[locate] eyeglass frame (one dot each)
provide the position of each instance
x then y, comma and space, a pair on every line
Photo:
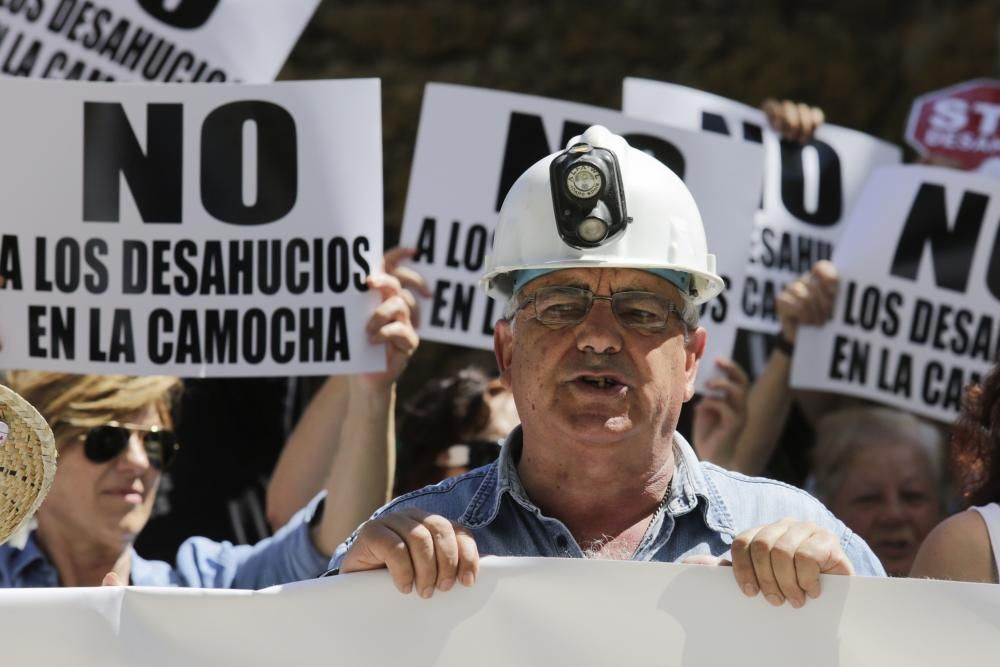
686, 314
166, 453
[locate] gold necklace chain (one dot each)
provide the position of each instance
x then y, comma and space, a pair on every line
656, 515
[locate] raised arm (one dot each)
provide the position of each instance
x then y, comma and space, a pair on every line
308, 456
305, 461
360, 477
807, 300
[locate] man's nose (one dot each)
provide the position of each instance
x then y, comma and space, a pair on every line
600, 331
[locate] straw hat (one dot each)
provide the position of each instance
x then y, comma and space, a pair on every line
27, 461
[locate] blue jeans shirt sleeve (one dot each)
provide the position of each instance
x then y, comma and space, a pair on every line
288, 555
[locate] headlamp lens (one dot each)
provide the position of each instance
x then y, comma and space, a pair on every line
592, 230
584, 181
588, 197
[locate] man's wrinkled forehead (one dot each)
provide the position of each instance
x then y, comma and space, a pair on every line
680, 280
601, 278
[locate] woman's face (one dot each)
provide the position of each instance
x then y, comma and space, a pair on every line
103, 504
459, 458
890, 498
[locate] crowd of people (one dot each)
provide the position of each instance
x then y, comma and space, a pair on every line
570, 449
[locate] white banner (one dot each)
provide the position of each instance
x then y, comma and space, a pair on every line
150, 40
917, 316
522, 611
191, 230
808, 188
473, 143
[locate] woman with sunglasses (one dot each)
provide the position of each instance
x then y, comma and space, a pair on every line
114, 437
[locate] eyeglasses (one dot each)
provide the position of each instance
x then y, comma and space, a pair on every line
559, 306
105, 442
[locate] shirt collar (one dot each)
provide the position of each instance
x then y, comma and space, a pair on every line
31, 558
31, 564
688, 486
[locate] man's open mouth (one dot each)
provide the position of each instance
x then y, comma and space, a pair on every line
599, 381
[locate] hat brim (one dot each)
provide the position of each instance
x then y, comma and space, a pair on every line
27, 461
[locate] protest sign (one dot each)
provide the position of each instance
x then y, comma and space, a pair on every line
150, 40
471, 146
521, 611
959, 125
808, 188
917, 315
189, 230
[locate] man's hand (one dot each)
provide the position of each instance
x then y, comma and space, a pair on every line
794, 121
721, 413
783, 560
423, 550
411, 281
391, 325
809, 299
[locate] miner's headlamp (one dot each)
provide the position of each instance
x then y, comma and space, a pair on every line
588, 196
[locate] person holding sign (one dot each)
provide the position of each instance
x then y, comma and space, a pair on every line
114, 437
966, 546
601, 259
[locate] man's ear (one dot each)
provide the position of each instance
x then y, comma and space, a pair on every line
503, 348
693, 352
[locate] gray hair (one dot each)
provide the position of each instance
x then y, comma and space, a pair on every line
843, 432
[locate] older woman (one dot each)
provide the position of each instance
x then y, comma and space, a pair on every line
114, 437
966, 547
881, 471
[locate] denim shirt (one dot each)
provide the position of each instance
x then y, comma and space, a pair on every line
288, 555
707, 508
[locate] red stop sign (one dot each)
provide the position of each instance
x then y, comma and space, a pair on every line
959, 125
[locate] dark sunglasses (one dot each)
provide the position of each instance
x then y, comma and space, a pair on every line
105, 442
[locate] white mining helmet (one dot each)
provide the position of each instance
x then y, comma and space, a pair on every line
600, 203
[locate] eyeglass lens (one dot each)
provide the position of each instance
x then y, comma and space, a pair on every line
107, 441
562, 306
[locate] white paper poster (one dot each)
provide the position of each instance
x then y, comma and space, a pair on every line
808, 188
917, 316
150, 40
473, 143
522, 611
189, 230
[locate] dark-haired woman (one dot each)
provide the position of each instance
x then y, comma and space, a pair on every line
966, 547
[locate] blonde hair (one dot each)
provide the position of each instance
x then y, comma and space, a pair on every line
90, 400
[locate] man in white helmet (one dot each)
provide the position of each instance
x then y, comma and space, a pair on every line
600, 256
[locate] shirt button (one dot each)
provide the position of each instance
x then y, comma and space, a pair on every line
561, 541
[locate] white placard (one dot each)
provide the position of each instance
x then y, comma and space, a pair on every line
522, 611
808, 189
473, 143
917, 316
192, 230
183, 41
